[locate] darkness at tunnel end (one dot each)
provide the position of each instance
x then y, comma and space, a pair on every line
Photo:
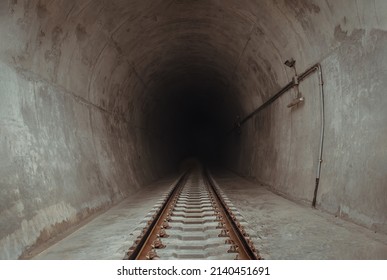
191, 120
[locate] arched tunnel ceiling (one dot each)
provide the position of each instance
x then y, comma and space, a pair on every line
117, 56
125, 57
238, 42
151, 40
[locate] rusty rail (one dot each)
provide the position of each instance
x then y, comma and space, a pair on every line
238, 241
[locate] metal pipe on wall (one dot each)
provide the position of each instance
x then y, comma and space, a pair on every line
322, 111
290, 85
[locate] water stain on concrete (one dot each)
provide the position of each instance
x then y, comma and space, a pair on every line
343, 35
41, 10
81, 33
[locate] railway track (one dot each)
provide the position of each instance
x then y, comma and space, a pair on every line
194, 220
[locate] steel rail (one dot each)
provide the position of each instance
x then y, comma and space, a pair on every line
137, 252
246, 250
230, 228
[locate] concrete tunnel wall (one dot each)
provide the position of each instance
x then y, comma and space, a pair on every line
80, 102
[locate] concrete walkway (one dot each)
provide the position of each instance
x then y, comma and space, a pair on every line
109, 235
285, 229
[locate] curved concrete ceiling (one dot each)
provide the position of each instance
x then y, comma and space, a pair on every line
240, 42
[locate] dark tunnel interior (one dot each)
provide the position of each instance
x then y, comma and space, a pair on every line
192, 118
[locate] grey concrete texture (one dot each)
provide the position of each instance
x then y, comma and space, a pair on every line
281, 229
290, 231
350, 44
109, 235
75, 128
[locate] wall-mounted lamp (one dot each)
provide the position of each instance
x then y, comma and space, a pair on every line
296, 101
291, 63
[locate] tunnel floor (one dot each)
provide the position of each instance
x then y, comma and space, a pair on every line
284, 229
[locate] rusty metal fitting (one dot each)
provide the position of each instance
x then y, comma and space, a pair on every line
165, 224
152, 255
219, 218
162, 233
138, 240
229, 241
130, 252
233, 249
251, 245
220, 225
158, 244
224, 233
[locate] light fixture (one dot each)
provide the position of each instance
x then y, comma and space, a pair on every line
296, 101
291, 63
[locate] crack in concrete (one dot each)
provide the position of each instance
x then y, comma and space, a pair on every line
33, 77
136, 73
244, 49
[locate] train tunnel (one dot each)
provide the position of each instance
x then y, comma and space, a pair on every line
100, 99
